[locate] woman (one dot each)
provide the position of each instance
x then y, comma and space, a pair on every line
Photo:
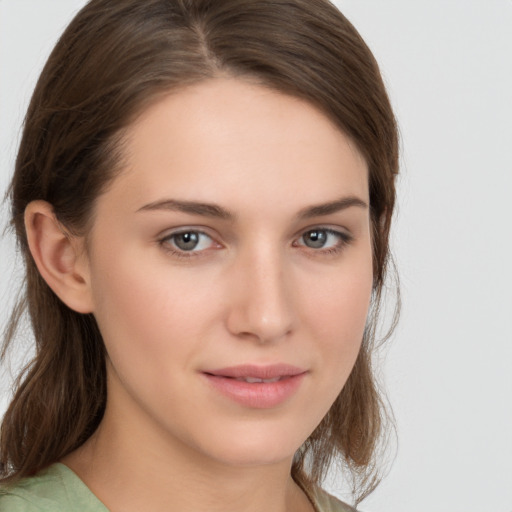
203, 194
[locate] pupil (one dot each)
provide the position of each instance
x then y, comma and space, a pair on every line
316, 239
186, 241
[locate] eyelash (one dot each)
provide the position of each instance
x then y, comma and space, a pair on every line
344, 239
167, 244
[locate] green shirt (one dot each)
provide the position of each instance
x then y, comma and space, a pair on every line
58, 489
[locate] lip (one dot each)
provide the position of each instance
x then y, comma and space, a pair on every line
259, 395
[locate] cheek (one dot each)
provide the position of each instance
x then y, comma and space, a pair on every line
155, 316
338, 302
143, 310
152, 323
337, 310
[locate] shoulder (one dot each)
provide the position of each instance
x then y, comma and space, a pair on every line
56, 489
325, 502
38, 493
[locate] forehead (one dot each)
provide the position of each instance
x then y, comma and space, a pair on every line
227, 140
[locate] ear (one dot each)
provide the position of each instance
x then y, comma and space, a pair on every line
60, 257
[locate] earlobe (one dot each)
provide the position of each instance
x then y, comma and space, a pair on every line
59, 256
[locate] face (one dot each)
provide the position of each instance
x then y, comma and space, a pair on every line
231, 270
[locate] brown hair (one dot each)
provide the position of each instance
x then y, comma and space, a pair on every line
112, 60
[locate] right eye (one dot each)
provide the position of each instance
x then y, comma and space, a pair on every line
188, 241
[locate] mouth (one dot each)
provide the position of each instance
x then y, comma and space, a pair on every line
253, 380
268, 373
259, 387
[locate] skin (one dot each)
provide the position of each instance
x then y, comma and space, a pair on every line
252, 291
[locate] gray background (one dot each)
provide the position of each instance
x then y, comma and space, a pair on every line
448, 67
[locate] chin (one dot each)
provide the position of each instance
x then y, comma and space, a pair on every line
256, 446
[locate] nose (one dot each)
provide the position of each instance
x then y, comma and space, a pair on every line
260, 302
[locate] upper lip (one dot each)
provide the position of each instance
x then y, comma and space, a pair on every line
258, 372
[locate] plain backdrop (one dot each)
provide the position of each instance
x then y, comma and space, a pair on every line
448, 368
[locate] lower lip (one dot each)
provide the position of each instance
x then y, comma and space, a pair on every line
259, 395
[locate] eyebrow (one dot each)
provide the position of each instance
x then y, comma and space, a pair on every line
215, 211
191, 207
331, 207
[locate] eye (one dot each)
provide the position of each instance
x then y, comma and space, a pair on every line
328, 240
190, 241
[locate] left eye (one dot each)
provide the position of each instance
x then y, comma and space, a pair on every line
189, 241
322, 238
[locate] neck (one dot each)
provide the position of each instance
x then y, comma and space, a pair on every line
130, 467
